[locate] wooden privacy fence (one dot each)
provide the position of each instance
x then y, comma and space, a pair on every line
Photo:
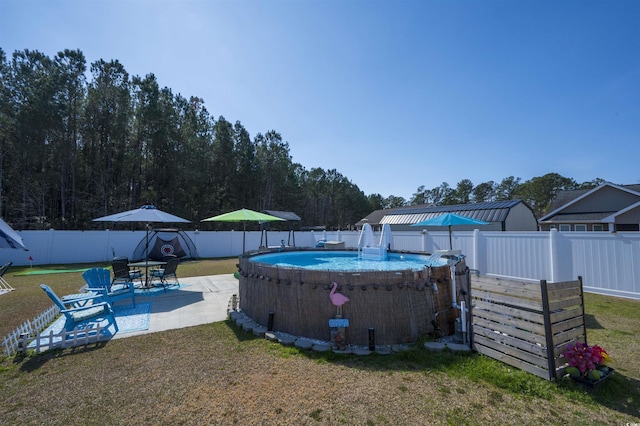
527, 325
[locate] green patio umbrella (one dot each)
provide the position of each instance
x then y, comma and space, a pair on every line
244, 216
450, 219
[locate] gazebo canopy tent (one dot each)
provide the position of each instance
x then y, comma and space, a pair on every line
166, 241
290, 217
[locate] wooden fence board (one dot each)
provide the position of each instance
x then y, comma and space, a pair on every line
566, 303
566, 314
568, 325
567, 293
508, 311
524, 345
522, 334
568, 336
527, 325
512, 361
509, 288
527, 357
565, 285
510, 322
533, 305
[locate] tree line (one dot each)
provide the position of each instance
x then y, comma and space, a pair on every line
73, 148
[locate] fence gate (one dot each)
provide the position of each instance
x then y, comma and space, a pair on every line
527, 325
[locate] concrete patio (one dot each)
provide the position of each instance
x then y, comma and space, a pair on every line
203, 300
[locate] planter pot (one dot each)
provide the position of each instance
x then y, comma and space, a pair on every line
593, 384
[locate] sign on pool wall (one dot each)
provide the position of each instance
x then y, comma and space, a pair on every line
338, 322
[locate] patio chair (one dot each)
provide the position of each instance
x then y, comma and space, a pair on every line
4, 285
169, 271
99, 280
82, 299
122, 273
80, 314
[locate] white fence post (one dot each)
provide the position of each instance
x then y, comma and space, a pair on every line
476, 249
553, 254
424, 240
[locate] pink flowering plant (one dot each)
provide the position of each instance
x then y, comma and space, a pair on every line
586, 361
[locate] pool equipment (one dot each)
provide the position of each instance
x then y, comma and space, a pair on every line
453, 257
368, 248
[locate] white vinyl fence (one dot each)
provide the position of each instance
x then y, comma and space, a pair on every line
609, 263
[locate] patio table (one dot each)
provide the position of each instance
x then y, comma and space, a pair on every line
146, 264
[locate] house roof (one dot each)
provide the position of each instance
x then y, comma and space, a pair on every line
283, 215
496, 211
579, 217
565, 199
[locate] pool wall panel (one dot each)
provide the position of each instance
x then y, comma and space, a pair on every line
399, 306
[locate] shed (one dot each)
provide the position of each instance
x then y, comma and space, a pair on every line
510, 215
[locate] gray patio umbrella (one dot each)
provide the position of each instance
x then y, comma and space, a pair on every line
10, 238
244, 216
450, 219
146, 214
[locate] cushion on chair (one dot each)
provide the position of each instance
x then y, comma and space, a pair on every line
90, 312
119, 289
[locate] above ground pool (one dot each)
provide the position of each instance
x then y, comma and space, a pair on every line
347, 261
398, 299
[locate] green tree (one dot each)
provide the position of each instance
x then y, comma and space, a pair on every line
6, 125
32, 89
393, 201
69, 98
195, 130
275, 171
463, 191
591, 184
376, 202
106, 139
540, 191
245, 182
421, 196
223, 168
507, 188
484, 192
446, 194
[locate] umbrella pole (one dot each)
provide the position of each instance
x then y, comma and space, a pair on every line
450, 244
146, 259
244, 231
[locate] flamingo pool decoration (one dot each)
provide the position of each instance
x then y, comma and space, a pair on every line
338, 299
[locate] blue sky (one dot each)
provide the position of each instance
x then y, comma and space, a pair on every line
391, 94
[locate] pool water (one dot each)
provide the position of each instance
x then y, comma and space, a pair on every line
347, 261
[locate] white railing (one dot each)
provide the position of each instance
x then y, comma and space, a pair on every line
19, 338
609, 263
65, 339
29, 336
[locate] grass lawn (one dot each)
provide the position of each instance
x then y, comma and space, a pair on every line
219, 374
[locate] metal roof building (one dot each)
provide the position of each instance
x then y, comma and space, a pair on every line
511, 215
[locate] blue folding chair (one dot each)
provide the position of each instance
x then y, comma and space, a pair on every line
99, 280
76, 315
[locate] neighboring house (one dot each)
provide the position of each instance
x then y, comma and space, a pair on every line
608, 207
512, 215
